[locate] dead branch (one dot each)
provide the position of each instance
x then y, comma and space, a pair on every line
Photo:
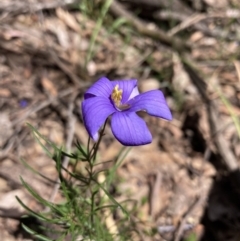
174, 5
155, 200
45, 55
19, 7
70, 135
149, 30
198, 202
44, 104
197, 25
225, 152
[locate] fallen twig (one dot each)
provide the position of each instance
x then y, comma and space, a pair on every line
225, 152
194, 21
19, 7
44, 104
155, 199
151, 31
174, 5
70, 135
199, 201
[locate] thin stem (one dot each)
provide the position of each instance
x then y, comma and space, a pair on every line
92, 207
96, 30
88, 145
101, 134
91, 160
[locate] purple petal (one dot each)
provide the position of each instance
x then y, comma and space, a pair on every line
129, 129
23, 103
134, 93
103, 87
153, 102
95, 111
128, 86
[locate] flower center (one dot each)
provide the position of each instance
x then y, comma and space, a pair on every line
116, 97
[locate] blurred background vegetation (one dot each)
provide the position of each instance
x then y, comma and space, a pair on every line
183, 186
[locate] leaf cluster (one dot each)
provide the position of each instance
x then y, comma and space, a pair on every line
81, 215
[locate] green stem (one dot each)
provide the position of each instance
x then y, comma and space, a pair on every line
91, 160
104, 10
96, 146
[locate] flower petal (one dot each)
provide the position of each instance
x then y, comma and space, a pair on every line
127, 86
134, 93
153, 102
129, 129
95, 111
103, 87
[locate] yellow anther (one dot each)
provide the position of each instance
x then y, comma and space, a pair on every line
117, 96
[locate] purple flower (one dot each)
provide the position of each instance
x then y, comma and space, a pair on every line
121, 100
23, 103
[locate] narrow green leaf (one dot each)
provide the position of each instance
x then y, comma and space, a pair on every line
111, 198
117, 24
39, 198
34, 214
37, 137
120, 158
106, 206
36, 172
35, 234
104, 10
81, 149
